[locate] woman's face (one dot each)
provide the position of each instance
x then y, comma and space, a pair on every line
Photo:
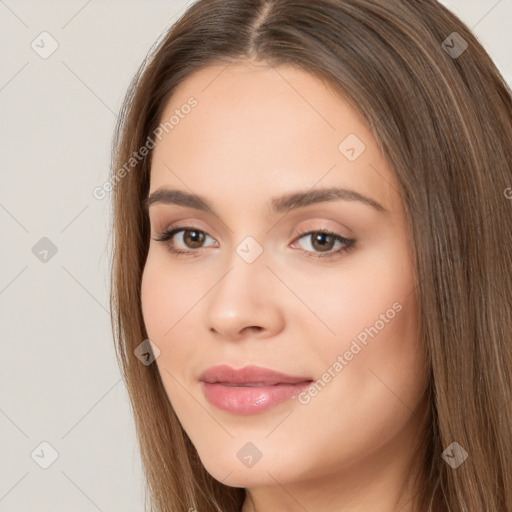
254, 288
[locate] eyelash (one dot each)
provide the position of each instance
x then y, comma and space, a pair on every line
349, 244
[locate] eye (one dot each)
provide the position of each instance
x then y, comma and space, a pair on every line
321, 243
192, 238
324, 241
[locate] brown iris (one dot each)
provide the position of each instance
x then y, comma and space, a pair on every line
197, 238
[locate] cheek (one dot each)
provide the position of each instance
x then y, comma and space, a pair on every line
153, 299
169, 299
371, 296
373, 347
375, 338
164, 300
371, 374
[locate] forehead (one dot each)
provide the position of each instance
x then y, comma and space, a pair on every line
269, 129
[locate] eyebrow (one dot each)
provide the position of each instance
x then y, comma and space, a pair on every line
281, 204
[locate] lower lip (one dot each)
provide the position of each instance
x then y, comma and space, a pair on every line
250, 399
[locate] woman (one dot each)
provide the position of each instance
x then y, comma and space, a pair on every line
312, 259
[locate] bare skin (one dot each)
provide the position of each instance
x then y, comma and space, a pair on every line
256, 133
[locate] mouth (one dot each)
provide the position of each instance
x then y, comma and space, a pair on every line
250, 389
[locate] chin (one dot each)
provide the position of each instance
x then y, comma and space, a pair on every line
232, 472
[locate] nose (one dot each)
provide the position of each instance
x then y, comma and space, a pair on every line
245, 302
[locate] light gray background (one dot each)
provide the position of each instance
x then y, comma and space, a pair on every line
59, 379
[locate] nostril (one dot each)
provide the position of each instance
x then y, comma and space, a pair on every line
254, 328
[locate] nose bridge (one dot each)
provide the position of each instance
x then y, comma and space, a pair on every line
241, 297
244, 277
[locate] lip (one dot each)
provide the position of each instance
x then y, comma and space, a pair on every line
250, 389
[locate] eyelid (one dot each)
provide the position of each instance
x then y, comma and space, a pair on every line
311, 227
163, 227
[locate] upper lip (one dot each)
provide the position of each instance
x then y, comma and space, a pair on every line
249, 374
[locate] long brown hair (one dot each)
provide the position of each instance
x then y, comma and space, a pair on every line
442, 115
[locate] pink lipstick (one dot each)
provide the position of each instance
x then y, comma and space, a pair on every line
250, 389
